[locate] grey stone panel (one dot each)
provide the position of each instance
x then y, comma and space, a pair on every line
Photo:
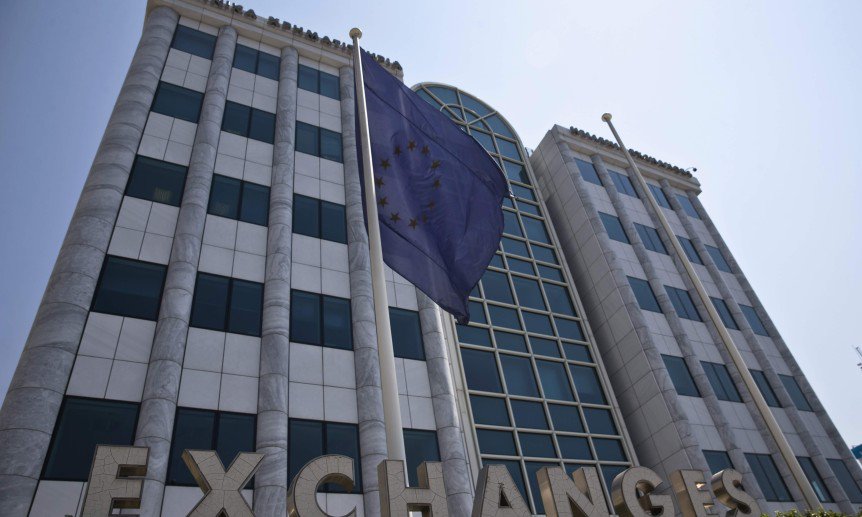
271, 483
161, 388
369, 394
453, 451
49, 353
805, 435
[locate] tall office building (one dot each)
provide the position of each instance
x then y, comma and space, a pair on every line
213, 292
683, 401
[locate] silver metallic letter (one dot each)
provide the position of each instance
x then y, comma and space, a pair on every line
497, 495
624, 494
692, 494
302, 495
727, 486
109, 486
578, 496
396, 499
221, 489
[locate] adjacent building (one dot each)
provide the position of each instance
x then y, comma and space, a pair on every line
213, 292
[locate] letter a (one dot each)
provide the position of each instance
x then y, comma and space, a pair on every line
497, 495
578, 496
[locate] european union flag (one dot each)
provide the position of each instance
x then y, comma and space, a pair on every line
439, 193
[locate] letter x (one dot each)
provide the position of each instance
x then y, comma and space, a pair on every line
221, 489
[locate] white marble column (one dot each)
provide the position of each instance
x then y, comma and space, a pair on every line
271, 482
369, 395
159, 401
30, 409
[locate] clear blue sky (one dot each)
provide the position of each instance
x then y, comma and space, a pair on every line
762, 97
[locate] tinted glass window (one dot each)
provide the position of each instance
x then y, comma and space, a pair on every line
489, 410
721, 382
566, 418
477, 312
515, 247
687, 206
718, 258
587, 384
406, 334
496, 442
511, 225
544, 254
523, 192
555, 382
419, 446
268, 65
308, 79
575, 352
225, 196
680, 375
480, 369
765, 388
537, 445
509, 341
588, 171
246, 302
254, 207
176, 101
194, 42
245, 58
129, 288
569, 329
262, 126
753, 320
599, 421
210, 304
156, 180
609, 450
768, 478
336, 323
305, 320
682, 303
329, 86
496, 287
529, 294
502, 317
723, 311
516, 172
559, 299
235, 433
330, 145
717, 460
306, 215
795, 393
851, 488
519, 376
658, 193
690, 250
623, 184
644, 295
81, 425
814, 478
543, 346
307, 139
537, 323
614, 227
333, 222
308, 439
649, 236
535, 230
532, 468
473, 335
235, 119
529, 414
343, 439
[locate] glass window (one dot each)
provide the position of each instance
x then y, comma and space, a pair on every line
523, 192
235, 118
795, 393
249, 122
245, 58
845, 478
268, 65
544, 254
754, 320
419, 446
682, 303
321, 219
336, 323
496, 261
536, 445
156, 180
724, 312
559, 299
406, 334
520, 266
614, 227
690, 250
566, 418
81, 425
644, 295
496, 287
555, 382
721, 382
550, 273
718, 258
768, 478
510, 224
474, 335
308, 79
588, 171
503, 317
330, 145
543, 346
569, 329
176, 101
194, 42
254, 206
537, 323
308, 439
514, 247
609, 450
814, 478
587, 384
484, 139
509, 341
496, 442
480, 369
529, 414
680, 375
329, 86
519, 376
129, 288
499, 126
623, 184
305, 318
225, 197
508, 149
659, 196
256, 62
576, 352
529, 208
609, 472
226, 433
687, 206
307, 139
227, 304
489, 410
599, 421
535, 230
477, 312
765, 388
649, 236
516, 171
262, 126
717, 460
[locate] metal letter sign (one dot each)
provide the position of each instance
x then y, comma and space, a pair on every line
497, 495
627, 502
578, 496
109, 487
222, 494
302, 495
396, 499
692, 493
727, 486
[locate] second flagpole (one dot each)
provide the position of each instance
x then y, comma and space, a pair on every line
388, 378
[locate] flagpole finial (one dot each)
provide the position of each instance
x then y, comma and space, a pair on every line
606, 117
355, 33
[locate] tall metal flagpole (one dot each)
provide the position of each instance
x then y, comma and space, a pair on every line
736, 357
388, 379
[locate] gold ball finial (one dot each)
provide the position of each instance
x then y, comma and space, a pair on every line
606, 117
355, 33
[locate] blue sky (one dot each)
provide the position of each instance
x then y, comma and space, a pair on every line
761, 97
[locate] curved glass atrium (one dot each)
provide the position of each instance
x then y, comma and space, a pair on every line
537, 397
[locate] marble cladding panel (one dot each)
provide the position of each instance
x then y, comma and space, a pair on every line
186, 70
233, 248
252, 90
144, 230
168, 138
322, 383
244, 158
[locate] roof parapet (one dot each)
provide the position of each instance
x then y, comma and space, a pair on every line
637, 154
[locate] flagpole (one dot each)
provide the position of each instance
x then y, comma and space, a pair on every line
388, 379
771, 423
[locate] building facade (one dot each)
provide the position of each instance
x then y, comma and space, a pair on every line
213, 292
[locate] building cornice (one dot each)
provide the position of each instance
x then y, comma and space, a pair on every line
635, 154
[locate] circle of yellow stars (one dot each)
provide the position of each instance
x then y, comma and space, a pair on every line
379, 182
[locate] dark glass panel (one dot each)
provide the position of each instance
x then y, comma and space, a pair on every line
176, 101
587, 384
343, 439
754, 320
659, 196
307, 139
308, 79
600, 421
329, 86
129, 288
497, 261
306, 215
529, 414
235, 118
687, 206
717, 460
814, 478
543, 346
623, 184
406, 334
193, 429
489, 410
558, 297
516, 172
566, 418
333, 222
721, 382
523, 192
306, 442
644, 295
614, 227
609, 450
519, 376
529, 294
650, 238
765, 388
510, 224
550, 273
680, 376
419, 446
537, 323
574, 448
544, 254
555, 382
330, 145
268, 65
305, 318
724, 312
245, 58
224, 197
336, 323
210, 305
532, 469
682, 303
588, 171
194, 42
255, 204
156, 180
577, 352
509, 150
496, 442
509, 341
246, 302
690, 250
235, 434
515, 247
536, 230
795, 392
480, 369
845, 478
474, 335
537, 445
502, 317
569, 329
498, 126
262, 126
477, 312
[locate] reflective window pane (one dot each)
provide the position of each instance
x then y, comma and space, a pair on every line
588, 171
543, 346
268, 65
574, 448
536, 230
156, 180
623, 184
225, 197
489, 410
235, 119
515, 247
795, 392
262, 126
306, 217
129, 288
502, 317
555, 383
569, 329
477, 312
643, 294
754, 320
234, 434
537, 323
336, 323
245, 58
690, 250
194, 42
687, 206
496, 442
537, 445
544, 254
246, 303
193, 429
210, 304
680, 376
521, 266
609, 450
613, 227
519, 376
176, 101
480, 369
550, 273
529, 294
575, 352
659, 196
566, 418
529, 414
308, 79
600, 421
587, 384
305, 318
307, 139
510, 341
419, 446
333, 222
406, 334
650, 238
717, 460
473, 335
717, 257
682, 303
724, 312
765, 388
558, 297
254, 207
510, 224
330, 145
329, 86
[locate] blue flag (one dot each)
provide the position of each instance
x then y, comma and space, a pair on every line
439, 193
